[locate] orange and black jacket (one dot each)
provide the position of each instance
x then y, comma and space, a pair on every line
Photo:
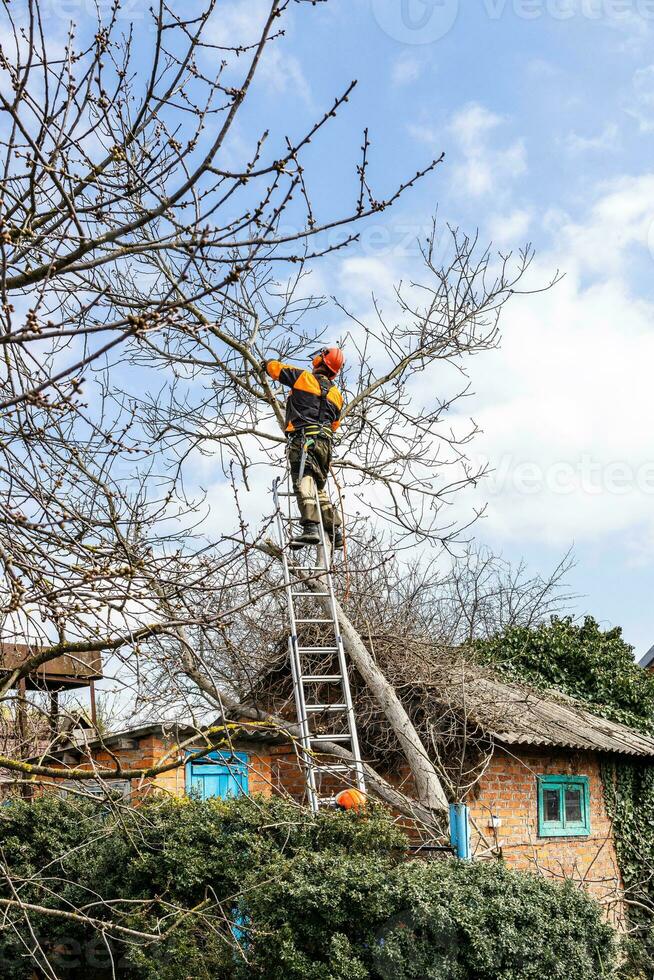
314, 399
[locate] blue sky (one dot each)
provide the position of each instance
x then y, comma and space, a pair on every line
545, 111
546, 114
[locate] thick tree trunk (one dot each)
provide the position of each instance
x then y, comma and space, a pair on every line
429, 789
234, 712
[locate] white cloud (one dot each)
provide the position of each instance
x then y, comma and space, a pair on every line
641, 104
510, 229
482, 168
364, 274
607, 139
621, 218
472, 123
406, 68
566, 404
543, 70
423, 133
240, 23
283, 73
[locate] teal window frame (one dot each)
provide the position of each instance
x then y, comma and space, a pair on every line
234, 765
563, 827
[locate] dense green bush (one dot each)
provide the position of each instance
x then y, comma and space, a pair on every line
308, 899
579, 659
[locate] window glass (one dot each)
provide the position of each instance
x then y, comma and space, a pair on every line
93, 787
564, 806
552, 801
573, 805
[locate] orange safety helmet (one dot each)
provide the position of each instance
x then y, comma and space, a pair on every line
330, 357
351, 799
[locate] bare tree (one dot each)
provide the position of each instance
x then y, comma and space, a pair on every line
142, 280
123, 241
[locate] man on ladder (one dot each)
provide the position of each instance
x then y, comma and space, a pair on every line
313, 412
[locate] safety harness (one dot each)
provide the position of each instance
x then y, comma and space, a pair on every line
317, 431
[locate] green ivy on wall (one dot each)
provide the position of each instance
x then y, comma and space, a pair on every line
597, 666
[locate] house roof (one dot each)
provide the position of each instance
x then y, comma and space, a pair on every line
444, 684
648, 659
65, 672
515, 714
178, 731
509, 713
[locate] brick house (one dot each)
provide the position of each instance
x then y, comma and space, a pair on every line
538, 802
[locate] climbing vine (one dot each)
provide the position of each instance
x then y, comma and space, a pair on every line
597, 666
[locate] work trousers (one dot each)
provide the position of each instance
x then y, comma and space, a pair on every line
316, 470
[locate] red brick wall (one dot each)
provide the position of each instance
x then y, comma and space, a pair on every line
288, 776
152, 750
508, 790
174, 781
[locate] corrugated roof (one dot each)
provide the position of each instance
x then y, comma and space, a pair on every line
175, 730
510, 713
518, 715
648, 659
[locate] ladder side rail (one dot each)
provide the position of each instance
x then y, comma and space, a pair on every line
342, 660
303, 722
296, 664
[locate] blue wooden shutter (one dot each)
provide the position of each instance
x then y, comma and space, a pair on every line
218, 774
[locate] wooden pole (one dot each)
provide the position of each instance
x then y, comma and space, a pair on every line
25, 790
94, 717
54, 713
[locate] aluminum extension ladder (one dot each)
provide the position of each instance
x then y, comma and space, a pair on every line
295, 577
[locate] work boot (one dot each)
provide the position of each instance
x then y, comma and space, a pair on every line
310, 534
337, 539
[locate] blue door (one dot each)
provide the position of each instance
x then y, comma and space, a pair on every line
218, 774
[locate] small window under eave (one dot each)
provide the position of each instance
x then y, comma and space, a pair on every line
563, 806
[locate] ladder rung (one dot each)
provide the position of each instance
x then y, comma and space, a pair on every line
322, 679
285, 494
325, 707
308, 568
330, 738
314, 620
338, 767
323, 594
318, 649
